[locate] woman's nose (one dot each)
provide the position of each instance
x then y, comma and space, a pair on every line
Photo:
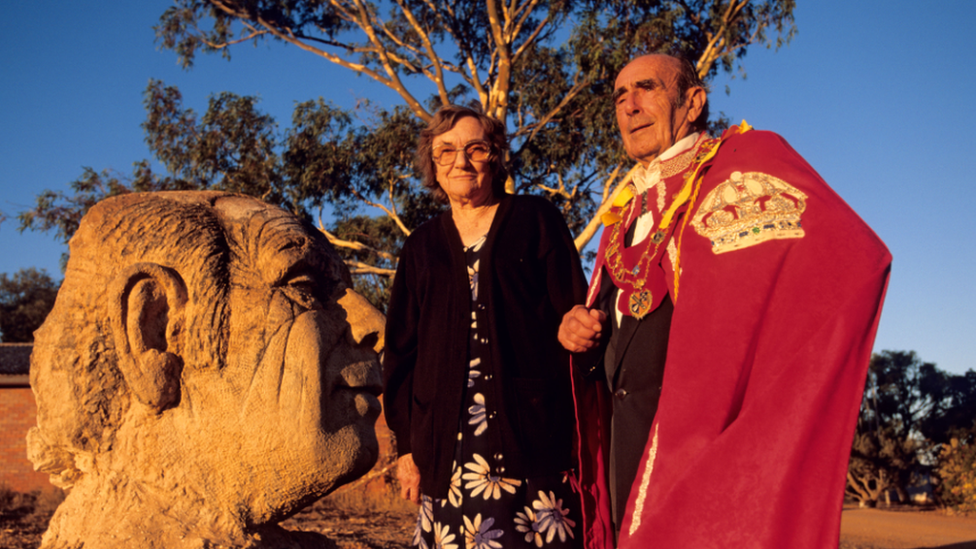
461, 160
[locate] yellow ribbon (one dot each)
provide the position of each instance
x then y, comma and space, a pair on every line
621, 200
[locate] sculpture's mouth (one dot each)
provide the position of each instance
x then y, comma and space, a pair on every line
362, 380
361, 376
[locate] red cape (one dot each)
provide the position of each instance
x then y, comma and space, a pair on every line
778, 301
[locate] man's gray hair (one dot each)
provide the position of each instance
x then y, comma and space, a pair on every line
688, 78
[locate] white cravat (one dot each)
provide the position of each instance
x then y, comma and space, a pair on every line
650, 177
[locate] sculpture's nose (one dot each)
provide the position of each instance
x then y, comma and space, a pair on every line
366, 322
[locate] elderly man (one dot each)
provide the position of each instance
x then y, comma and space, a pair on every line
205, 373
731, 315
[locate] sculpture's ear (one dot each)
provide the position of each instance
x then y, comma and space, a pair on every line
147, 319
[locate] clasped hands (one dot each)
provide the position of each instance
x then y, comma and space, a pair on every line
581, 329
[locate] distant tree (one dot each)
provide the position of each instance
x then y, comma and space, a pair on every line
545, 67
910, 408
957, 472
26, 298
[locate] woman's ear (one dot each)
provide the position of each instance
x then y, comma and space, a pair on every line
148, 302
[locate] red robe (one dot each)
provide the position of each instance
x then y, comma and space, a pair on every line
777, 304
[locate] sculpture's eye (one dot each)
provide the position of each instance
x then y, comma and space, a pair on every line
302, 282
303, 289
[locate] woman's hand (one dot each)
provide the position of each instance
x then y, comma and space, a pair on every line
408, 475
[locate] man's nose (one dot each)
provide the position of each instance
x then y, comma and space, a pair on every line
631, 105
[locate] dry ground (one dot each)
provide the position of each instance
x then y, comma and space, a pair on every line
353, 525
881, 529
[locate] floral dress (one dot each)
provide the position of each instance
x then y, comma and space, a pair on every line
483, 509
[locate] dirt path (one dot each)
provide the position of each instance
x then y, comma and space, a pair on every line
860, 529
875, 529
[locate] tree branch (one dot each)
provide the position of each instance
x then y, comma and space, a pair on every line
351, 244
498, 99
591, 228
531, 39
438, 76
359, 268
393, 77
572, 93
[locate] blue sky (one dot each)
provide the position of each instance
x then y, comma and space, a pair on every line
877, 95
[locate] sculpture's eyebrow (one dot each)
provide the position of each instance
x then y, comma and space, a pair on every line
646, 84
283, 251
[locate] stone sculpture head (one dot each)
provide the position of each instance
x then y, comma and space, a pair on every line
206, 372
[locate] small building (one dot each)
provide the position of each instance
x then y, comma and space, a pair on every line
18, 413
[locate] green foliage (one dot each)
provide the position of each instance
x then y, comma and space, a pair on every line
909, 409
546, 68
26, 298
957, 473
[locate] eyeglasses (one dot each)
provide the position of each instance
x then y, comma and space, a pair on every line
475, 151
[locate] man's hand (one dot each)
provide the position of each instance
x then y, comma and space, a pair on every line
408, 476
581, 329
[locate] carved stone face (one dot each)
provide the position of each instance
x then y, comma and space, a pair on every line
298, 393
206, 372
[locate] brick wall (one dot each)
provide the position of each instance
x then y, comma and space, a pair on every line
18, 414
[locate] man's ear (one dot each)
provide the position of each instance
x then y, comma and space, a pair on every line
147, 320
695, 99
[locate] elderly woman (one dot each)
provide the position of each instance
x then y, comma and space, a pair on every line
478, 388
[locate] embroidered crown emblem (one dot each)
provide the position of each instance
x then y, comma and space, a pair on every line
750, 208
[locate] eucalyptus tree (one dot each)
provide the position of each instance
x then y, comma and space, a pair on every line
545, 67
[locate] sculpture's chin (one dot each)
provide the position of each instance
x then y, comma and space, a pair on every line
358, 455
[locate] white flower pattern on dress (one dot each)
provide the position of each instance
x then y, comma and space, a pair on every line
454, 494
418, 539
477, 534
527, 524
478, 416
473, 372
481, 508
443, 537
552, 517
425, 514
481, 480
473, 280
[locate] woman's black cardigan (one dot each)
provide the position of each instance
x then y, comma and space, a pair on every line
530, 275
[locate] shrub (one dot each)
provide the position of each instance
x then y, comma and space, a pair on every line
14, 505
38, 505
957, 471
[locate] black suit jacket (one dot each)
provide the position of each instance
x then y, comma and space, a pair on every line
633, 365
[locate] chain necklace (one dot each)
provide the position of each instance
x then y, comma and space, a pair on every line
629, 273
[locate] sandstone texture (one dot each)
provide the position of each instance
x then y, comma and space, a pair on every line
206, 372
